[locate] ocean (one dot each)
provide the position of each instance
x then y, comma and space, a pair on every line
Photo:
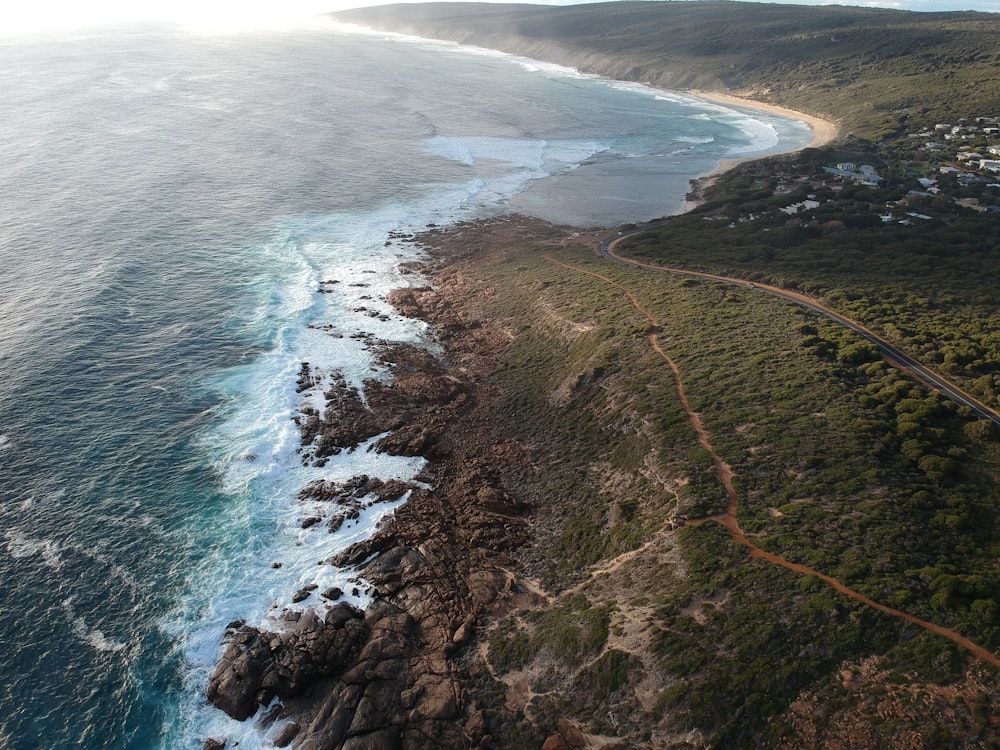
170, 203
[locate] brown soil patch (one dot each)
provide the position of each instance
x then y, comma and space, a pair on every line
699, 606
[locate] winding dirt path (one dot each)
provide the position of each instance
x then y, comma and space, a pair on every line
725, 474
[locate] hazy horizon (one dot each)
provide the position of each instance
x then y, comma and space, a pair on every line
230, 15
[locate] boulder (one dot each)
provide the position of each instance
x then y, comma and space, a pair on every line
258, 665
283, 734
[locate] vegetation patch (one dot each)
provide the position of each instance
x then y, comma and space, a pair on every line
842, 463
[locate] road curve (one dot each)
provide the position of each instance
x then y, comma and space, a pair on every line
896, 357
730, 521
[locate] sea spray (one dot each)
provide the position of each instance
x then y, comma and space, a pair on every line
328, 311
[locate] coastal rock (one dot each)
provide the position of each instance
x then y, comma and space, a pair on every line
567, 737
395, 676
420, 385
333, 593
283, 734
397, 683
258, 665
303, 593
350, 492
235, 684
409, 440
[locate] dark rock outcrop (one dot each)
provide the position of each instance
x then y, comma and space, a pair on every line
394, 676
259, 665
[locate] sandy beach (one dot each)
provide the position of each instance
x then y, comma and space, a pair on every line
823, 132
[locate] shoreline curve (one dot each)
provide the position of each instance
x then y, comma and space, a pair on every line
823, 131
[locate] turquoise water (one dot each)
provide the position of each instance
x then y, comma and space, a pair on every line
169, 204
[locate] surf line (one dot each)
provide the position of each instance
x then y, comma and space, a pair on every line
724, 472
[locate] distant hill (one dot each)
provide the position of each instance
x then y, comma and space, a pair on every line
872, 70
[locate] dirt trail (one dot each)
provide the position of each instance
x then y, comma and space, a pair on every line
615, 564
729, 519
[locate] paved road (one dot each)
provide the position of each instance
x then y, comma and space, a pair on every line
898, 358
729, 520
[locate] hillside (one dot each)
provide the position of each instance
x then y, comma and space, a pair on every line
644, 613
871, 70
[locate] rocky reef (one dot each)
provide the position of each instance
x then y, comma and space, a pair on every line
393, 676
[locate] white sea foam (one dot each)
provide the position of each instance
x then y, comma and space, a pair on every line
553, 70
760, 128
674, 97
21, 546
519, 152
763, 136
5, 443
533, 159
90, 636
329, 303
695, 139
634, 87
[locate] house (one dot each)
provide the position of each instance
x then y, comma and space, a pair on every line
806, 205
972, 203
990, 165
868, 176
864, 175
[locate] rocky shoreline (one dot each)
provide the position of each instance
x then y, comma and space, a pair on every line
395, 675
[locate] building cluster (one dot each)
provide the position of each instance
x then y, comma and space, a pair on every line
964, 174
983, 130
864, 175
